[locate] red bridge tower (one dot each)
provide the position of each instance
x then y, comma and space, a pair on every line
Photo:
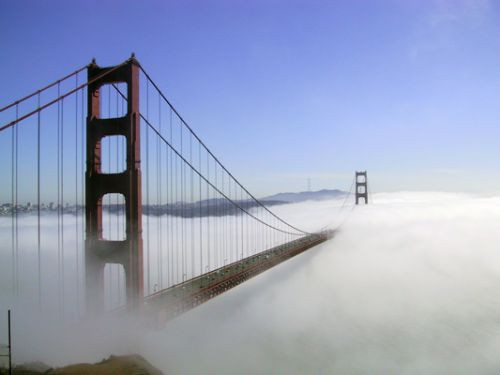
361, 187
99, 251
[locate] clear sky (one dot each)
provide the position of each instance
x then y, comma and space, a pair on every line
285, 90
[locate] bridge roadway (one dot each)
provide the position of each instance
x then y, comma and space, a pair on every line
165, 305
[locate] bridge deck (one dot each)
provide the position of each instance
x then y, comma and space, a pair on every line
169, 303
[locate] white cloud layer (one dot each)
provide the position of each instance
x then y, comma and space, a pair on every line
409, 285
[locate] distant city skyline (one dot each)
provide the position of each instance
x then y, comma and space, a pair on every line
286, 91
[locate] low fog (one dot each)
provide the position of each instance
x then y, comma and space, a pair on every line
409, 285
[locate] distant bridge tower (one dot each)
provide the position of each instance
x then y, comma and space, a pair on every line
99, 251
361, 187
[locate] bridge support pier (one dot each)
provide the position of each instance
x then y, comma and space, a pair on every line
99, 251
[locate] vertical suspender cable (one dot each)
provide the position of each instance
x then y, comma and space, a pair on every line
224, 220
177, 213
108, 208
184, 215
235, 223
201, 230
170, 209
38, 210
119, 235
124, 166
13, 251
82, 171
13, 205
77, 265
191, 210
230, 247
147, 193
62, 205
216, 218
171, 193
17, 203
59, 200
248, 207
160, 213
183, 258
242, 234
122, 211
208, 214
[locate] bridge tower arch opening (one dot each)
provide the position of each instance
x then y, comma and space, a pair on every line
99, 251
361, 187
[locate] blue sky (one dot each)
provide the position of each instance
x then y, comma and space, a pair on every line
288, 90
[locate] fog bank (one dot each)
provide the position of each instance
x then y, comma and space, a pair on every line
409, 285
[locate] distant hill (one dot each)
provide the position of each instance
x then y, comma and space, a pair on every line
203, 208
306, 196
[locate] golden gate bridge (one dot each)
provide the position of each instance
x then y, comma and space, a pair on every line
129, 210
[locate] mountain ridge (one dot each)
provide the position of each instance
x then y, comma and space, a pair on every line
319, 195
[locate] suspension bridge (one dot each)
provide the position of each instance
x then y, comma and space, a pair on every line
122, 207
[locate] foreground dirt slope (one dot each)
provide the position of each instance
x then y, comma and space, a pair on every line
114, 365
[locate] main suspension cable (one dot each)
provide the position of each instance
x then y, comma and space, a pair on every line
61, 97
210, 183
206, 180
211, 154
38, 92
